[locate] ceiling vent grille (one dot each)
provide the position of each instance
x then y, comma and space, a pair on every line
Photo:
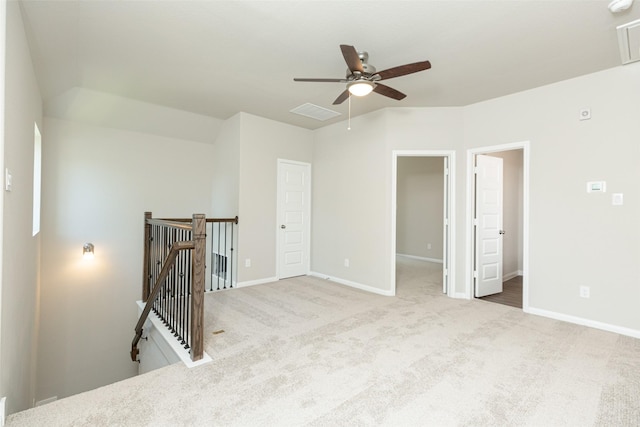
315, 112
629, 41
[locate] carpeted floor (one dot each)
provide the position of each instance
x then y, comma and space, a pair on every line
305, 351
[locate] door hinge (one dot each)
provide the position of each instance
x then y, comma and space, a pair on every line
475, 274
475, 221
475, 169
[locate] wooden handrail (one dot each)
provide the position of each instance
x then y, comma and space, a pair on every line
234, 220
167, 266
173, 223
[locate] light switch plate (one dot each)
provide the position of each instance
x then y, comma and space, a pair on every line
617, 199
7, 180
596, 187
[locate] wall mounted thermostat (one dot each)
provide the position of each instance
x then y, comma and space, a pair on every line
596, 187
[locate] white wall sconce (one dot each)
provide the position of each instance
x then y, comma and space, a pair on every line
87, 251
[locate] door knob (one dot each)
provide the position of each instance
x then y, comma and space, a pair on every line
283, 226
501, 232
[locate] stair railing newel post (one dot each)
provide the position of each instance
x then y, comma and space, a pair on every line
146, 257
198, 286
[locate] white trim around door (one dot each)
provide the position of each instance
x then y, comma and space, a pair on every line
471, 154
293, 216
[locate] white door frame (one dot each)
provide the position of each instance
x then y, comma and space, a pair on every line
451, 156
307, 227
471, 154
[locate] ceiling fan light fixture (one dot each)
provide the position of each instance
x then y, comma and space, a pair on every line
360, 87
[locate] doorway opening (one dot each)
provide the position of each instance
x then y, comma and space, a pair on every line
498, 224
422, 217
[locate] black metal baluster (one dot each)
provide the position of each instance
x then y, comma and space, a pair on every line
231, 260
224, 257
218, 258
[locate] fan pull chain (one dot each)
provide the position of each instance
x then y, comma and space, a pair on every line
349, 123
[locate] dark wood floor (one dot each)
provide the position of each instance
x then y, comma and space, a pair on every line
511, 293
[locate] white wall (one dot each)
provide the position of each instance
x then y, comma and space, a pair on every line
23, 107
349, 212
262, 143
352, 188
577, 239
420, 196
225, 167
97, 184
107, 110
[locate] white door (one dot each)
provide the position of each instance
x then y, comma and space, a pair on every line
445, 229
488, 224
294, 188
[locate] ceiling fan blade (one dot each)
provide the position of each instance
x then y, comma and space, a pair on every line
320, 80
351, 58
388, 91
341, 98
403, 70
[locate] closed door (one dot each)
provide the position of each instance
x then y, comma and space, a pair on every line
294, 187
488, 223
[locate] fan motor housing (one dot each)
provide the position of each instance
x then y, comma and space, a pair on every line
369, 70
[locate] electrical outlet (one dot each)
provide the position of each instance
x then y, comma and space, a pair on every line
429, 246
346, 262
247, 262
585, 292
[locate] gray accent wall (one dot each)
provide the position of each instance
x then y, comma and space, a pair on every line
420, 207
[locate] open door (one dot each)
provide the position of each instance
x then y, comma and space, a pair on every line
445, 230
488, 226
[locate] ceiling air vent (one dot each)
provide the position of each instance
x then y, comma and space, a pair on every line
629, 41
315, 112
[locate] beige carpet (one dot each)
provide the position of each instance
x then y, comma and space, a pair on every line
305, 351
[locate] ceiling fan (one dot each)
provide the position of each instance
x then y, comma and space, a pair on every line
362, 77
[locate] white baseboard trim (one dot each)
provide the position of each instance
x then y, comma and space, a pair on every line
171, 341
584, 322
511, 275
460, 295
353, 284
421, 258
47, 400
256, 282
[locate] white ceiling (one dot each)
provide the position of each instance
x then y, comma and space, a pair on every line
217, 58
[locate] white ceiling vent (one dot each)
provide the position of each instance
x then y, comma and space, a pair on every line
629, 41
315, 112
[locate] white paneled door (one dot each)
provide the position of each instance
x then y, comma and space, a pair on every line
488, 223
294, 200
